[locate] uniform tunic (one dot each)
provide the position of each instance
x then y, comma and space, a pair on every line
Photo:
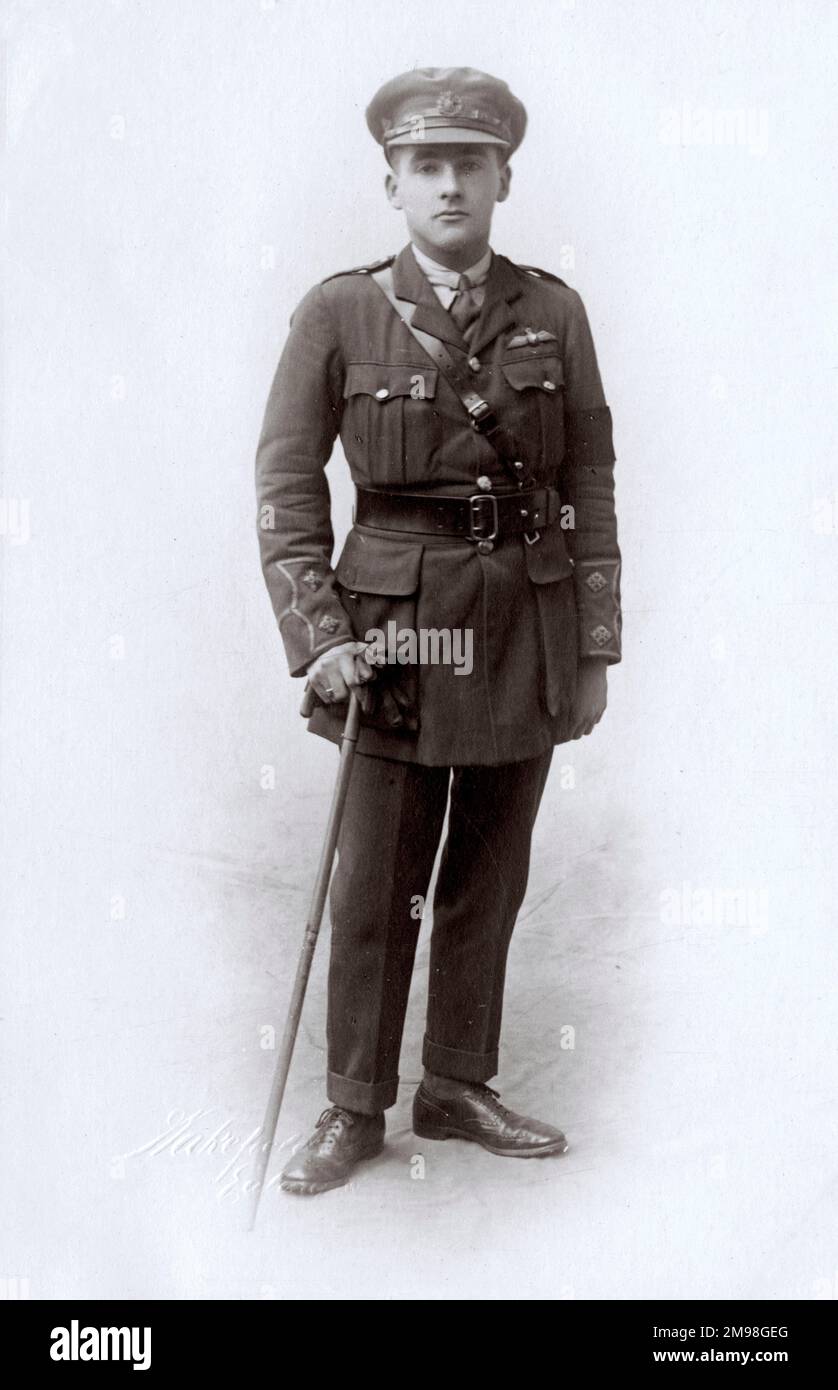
350, 367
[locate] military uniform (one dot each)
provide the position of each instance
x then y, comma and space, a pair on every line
535, 602
351, 367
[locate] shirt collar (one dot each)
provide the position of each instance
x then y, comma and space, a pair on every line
441, 275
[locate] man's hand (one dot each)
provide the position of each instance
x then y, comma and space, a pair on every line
591, 695
341, 669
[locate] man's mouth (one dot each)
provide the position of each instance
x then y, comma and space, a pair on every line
451, 215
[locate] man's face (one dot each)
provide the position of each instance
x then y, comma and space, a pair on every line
448, 194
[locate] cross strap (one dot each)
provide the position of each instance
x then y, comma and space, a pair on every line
480, 412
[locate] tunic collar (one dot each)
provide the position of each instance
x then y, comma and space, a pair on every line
442, 275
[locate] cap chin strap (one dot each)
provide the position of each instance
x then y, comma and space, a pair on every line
416, 126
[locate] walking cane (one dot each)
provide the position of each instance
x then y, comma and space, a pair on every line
315, 916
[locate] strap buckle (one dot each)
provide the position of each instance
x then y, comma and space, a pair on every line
477, 501
483, 417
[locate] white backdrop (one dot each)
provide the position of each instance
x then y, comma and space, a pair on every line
176, 177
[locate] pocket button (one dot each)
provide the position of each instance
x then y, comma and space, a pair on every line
382, 393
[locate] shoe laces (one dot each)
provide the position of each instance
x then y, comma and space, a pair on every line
335, 1119
500, 1110
484, 1089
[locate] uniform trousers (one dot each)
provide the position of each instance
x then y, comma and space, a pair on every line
388, 842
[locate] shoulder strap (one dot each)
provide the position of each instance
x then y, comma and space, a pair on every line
480, 412
538, 274
360, 269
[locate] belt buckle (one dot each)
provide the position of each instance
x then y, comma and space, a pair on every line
475, 502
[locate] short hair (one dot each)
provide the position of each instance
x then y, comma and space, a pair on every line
392, 151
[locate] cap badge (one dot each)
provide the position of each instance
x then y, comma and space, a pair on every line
450, 104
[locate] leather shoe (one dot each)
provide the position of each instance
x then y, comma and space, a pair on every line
474, 1112
341, 1139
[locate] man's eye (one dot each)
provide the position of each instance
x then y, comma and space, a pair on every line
427, 168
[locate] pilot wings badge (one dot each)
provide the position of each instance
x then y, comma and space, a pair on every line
528, 337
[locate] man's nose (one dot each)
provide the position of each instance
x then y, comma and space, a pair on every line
450, 186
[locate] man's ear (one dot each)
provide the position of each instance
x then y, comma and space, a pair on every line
505, 181
391, 184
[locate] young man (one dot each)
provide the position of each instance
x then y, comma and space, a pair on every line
466, 394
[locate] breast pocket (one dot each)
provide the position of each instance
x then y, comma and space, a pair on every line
378, 585
535, 397
391, 420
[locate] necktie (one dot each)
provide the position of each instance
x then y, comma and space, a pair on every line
464, 309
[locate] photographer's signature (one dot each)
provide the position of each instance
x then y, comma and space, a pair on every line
189, 1134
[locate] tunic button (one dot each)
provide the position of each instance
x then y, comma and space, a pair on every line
549, 385
382, 393
484, 483
474, 363
485, 547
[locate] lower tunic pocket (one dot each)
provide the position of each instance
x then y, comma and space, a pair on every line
378, 584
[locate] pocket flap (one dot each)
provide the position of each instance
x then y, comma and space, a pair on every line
544, 373
384, 380
548, 560
374, 565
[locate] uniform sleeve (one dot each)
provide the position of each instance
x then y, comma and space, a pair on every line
296, 540
587, 482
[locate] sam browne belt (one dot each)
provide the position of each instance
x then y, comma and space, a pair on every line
480, 412
483, 517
